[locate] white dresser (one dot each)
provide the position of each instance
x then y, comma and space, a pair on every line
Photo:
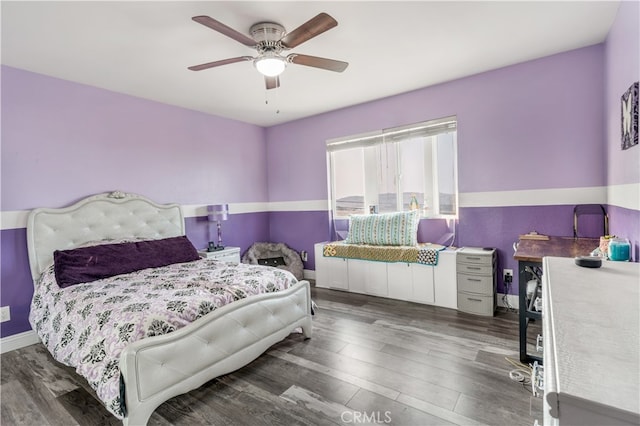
476, 275
228, 254
591, 332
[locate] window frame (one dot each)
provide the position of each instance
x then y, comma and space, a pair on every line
396, 135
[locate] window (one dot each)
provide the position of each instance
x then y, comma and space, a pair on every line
398, 169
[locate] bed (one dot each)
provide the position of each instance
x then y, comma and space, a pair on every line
157, 367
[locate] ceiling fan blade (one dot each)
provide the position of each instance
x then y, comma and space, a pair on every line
272, 82
223, 29
313, 27
317, 62
221, 62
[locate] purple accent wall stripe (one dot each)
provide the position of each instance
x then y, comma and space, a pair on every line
625, 223
300, 230
16, 286
240, 230
500, 227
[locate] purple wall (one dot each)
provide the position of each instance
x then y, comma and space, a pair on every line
535, 125
240, 230
63, 141
300, 230
548, 123
508, 120
522, 127
622, 68
626, 223
16, 286
500, 227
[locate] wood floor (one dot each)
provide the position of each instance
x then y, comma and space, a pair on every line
370, 361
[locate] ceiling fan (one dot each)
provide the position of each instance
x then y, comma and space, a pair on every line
270, 40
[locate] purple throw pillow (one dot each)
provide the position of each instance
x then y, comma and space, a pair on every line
87, 264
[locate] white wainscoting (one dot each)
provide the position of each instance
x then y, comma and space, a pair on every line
625, 195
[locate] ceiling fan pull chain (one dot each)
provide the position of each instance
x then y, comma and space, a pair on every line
275, 101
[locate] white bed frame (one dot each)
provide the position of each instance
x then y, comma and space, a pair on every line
158, 368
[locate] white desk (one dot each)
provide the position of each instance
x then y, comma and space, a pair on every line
591, 332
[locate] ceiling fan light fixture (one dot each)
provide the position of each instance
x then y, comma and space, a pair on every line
270, 65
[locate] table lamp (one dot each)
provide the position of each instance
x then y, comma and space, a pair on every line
217, 213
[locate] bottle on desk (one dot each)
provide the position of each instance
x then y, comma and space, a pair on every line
619, 249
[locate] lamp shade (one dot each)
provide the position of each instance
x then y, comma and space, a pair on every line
218, 212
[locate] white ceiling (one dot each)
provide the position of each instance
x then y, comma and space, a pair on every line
144, 48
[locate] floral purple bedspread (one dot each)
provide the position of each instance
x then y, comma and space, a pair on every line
87, 326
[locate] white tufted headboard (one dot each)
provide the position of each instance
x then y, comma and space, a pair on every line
111, 215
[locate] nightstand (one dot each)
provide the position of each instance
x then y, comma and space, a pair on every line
228, 254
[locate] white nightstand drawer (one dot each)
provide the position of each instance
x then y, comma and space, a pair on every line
228, 254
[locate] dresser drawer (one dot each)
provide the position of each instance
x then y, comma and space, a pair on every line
475, 269
476, 256
476, 304
475, 283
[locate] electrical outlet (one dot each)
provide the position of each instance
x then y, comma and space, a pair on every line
304, 255
5, 314
507, 275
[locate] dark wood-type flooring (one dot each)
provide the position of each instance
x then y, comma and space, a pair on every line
370, 361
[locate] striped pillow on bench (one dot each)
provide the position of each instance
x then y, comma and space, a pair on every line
389, 229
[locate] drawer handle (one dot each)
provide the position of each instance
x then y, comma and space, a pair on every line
475, 300
473, 258
477, 268
474, 279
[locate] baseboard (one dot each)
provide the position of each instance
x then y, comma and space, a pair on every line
512, 299
18, 341
309, 274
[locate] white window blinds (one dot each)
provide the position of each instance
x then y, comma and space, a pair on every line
395, 134
397, 169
